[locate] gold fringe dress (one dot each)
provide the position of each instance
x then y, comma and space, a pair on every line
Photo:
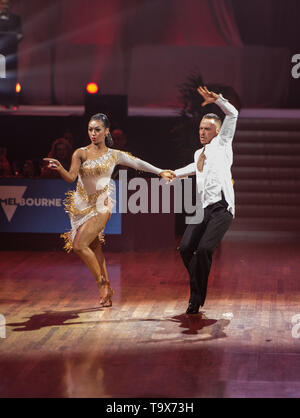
94, 189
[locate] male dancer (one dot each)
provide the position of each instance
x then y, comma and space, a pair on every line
212, 166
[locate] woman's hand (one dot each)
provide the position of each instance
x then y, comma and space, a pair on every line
69, 176
168, 175
53, 164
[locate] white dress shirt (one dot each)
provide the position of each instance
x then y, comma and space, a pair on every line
216, 175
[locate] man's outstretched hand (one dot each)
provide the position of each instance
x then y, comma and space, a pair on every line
208, 96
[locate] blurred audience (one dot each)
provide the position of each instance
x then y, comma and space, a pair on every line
16, 169
29, 169
119, 138
5, 168
120, 143
69, 137
62, 151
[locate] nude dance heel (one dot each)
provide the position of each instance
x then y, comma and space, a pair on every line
105, 301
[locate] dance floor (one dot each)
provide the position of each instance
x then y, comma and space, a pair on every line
59, 343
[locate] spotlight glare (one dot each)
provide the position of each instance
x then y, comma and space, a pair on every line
92, 88
18, 88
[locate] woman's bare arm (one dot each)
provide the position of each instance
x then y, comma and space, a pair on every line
71, 175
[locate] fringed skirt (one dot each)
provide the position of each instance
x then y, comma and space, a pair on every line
82, 206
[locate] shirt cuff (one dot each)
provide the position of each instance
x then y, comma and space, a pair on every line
221, 99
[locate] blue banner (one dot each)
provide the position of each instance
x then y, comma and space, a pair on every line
36, 205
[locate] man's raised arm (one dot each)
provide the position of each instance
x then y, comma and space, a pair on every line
227, 130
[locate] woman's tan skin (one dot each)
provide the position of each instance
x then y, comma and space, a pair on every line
86, 243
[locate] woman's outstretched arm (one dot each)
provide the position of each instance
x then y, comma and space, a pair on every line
71, 175
128, 160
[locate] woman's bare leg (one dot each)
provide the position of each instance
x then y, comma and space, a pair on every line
105, 290
97, 248
83, 243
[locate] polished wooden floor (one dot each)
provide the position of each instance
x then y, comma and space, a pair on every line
60, 344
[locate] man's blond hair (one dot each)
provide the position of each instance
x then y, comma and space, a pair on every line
215, 117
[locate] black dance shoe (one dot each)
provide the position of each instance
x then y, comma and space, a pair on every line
193, 308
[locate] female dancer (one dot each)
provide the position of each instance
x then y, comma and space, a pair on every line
90, 206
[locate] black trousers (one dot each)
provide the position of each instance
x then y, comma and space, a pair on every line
198, 244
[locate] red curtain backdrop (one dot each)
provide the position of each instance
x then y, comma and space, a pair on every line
103, 36
70, 42
136, 22
91, 22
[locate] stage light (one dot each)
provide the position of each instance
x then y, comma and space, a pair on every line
92, 88
18, 88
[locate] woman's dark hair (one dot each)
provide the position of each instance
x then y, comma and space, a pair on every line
104, 119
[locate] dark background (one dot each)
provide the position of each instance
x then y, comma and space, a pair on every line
69, 43
147, 49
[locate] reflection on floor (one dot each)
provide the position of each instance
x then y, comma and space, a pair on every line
59, 343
